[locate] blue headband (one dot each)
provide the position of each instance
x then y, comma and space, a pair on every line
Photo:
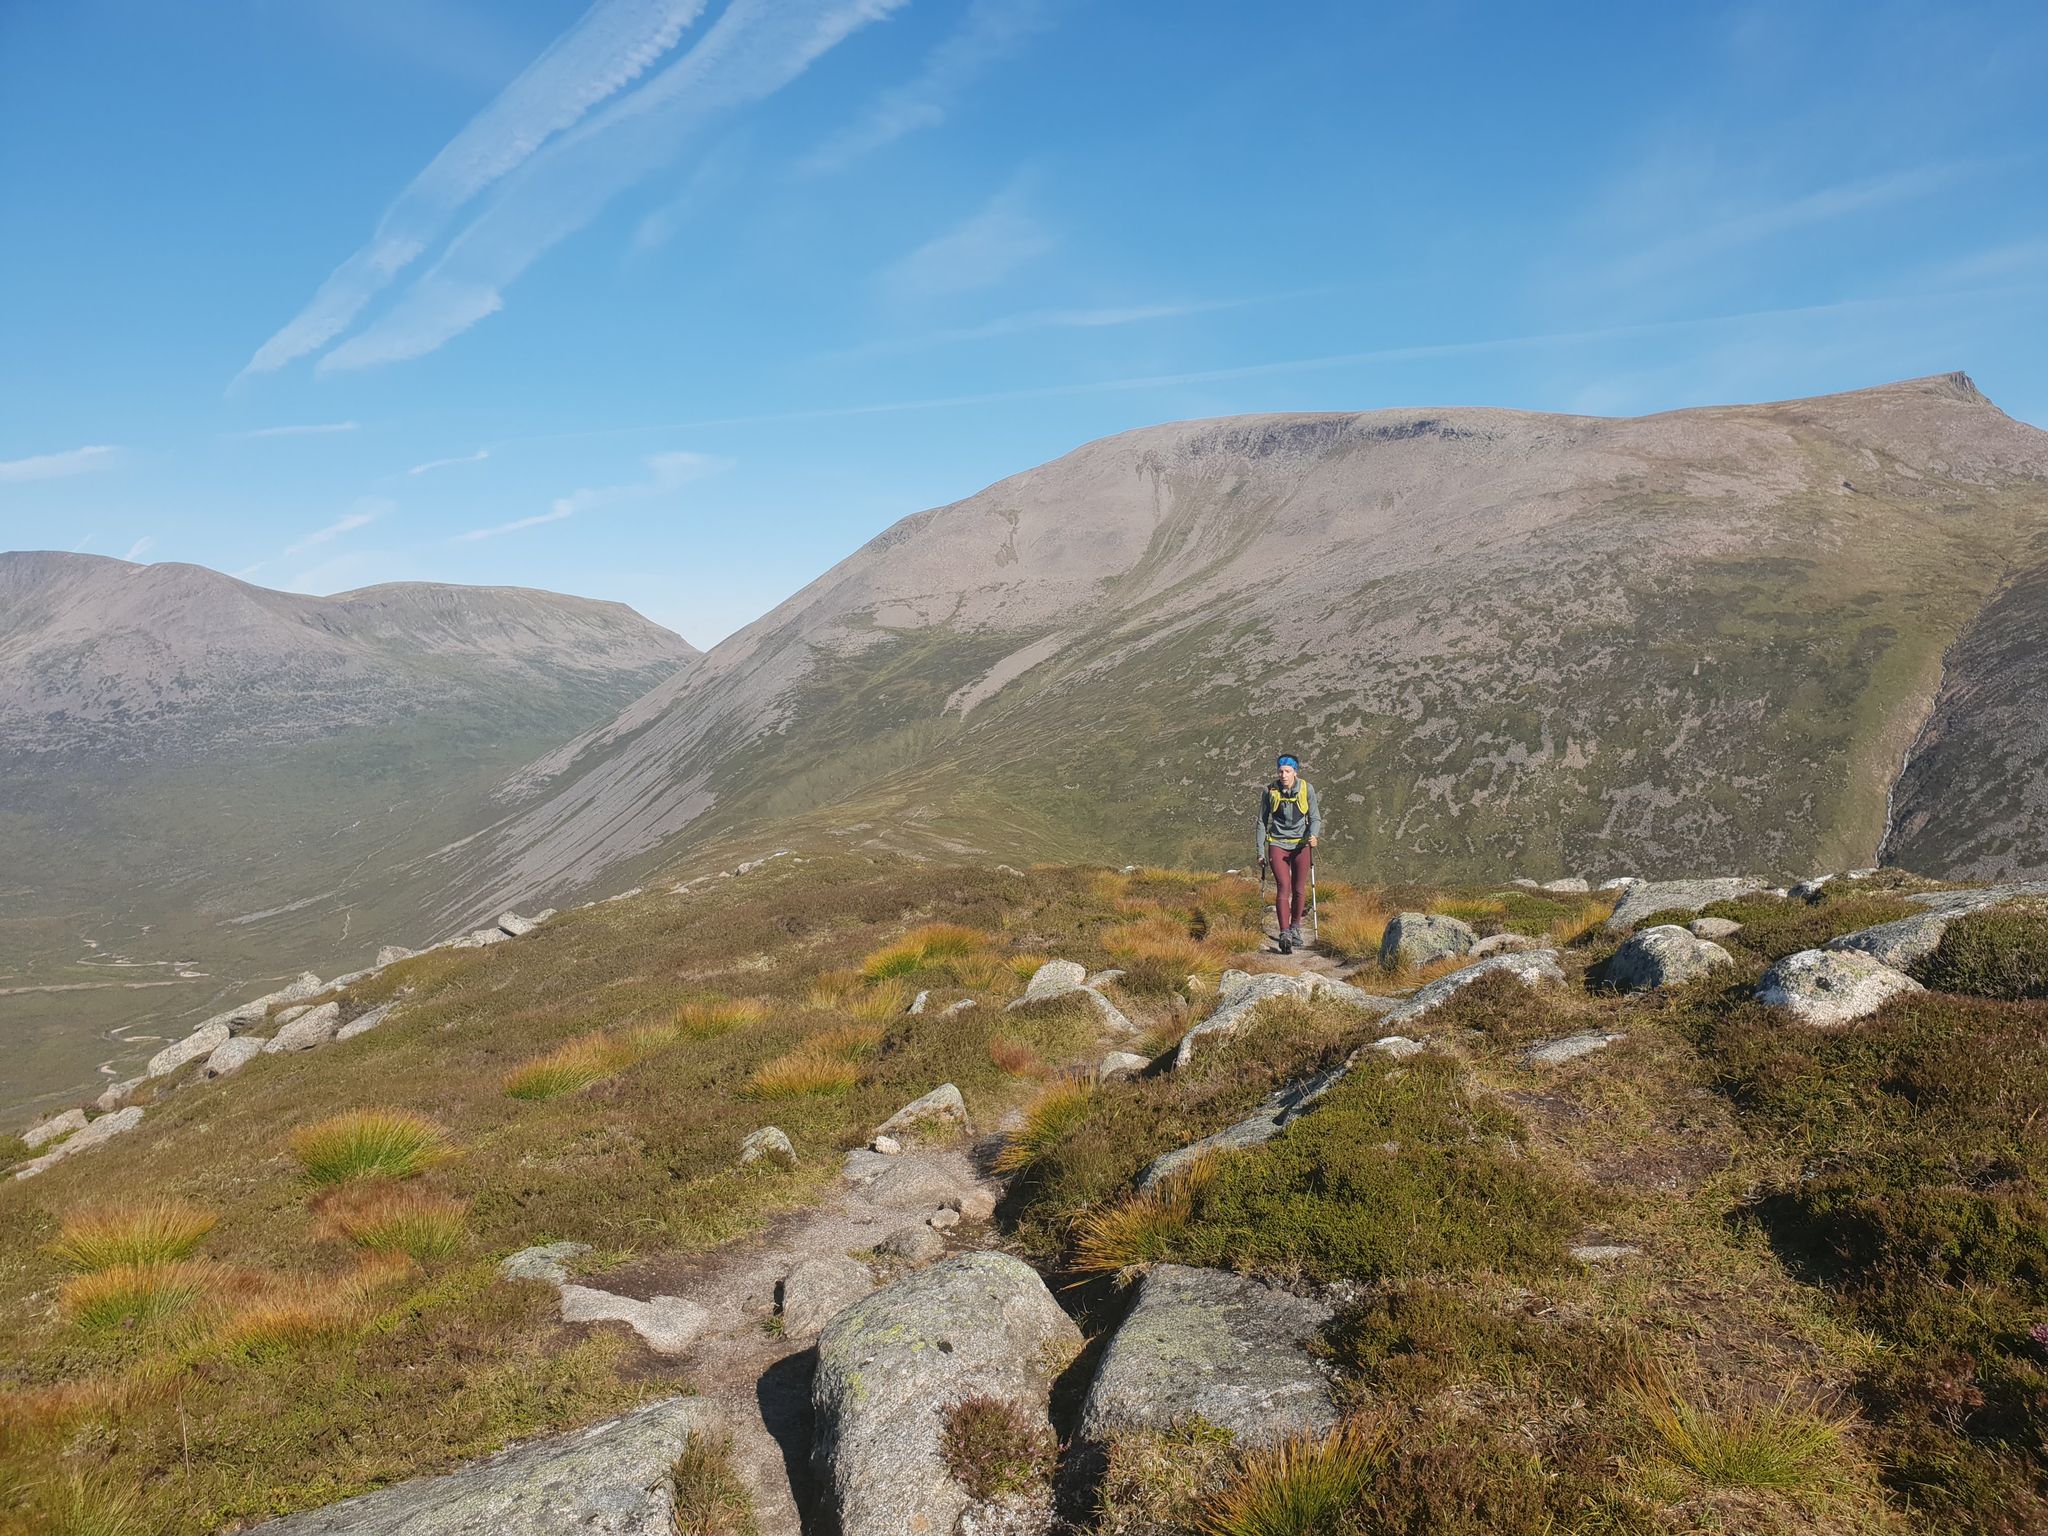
1288, 760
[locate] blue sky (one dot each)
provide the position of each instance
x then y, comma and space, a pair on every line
678, 303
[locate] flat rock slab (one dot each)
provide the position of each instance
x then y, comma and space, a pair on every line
106, 1128
364, 1023
611, 1479
1259, 1127
1535, 968
548, 1262
1555, 1053
202, 1042
1206, 1343
889, 1367
57, 1125
1649, 896
1827, 987
1981, 897
668, 1325
314, 1028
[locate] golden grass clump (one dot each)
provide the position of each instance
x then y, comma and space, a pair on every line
282, 1312
805, 1070
1470, 909
1014, 1058
706, 1018
1048, 1120
1156, 954
1308, 1485
923, 949
1587, 915
879, 1004
99, 1237
569, 1066
1792, 1445
394, 1218
136, 1295
831, 989
849, 1041
369, 1144
1143, 1228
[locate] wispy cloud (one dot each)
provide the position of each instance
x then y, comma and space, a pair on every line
55, 466
139, 548
753, 49
305, 429
978, 252
612, 46
990, 29
433, 464
1033, 321
365, 511
666, 473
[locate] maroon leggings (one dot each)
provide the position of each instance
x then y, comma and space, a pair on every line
1290, 881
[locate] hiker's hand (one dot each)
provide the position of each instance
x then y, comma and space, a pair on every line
1312, 842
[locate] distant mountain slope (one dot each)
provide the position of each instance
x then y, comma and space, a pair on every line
195, 771
1702, 640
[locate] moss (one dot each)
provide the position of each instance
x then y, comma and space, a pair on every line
1999, 953
1413, 1341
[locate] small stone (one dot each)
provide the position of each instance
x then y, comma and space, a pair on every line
943, 1219
1104, 978
1827, 987
103, 1129
46, 1131
513, 926
1115, 1063
1054, 978
1713, 928
1571, 885
976, 1204
1618, 883
1503, 944
362, 1024
1664, 956
918, 1244
543, 1263
1555, 1053
888, 1146
111, 1096
961, 1006
286, 1015
1603, 1253
769, 1141
1416, 939
391, 954
917, 1003
1398, 1046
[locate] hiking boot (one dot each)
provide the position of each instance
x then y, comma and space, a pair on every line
1294, 934
1286, 944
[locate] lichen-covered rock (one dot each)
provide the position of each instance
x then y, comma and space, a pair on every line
1901, 943
1664, 956
1054, 978
513, 926
1713, 928
391, 954
771, 1142
1416, 939
1555, 1053
106, 1128
1535, 968
668, 1325
1203, 1343
202, 1042
818, 1290
231, 1056
111, 1096
1648, 896
310, 1029
940, 1110
1272, 1116
890, 1366
547, 1262
362, 1024
611, 1479
45, 1131
1827, 987
916, 1243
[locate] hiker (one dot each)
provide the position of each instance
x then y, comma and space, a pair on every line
1290, 822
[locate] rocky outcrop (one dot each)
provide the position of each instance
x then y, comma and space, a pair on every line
1415, 939
104, 1129
1054, 978
1272, 1116
1645, 897
818, 1290
892, 1364
1243, 995
939, 1112
45, 1131
313, 1028
1828, 987
668, 1325
1206, 1344
1534, 968
611, 1479
202, 1042
363, 1023
232, 1056
1664, 956
1898, 944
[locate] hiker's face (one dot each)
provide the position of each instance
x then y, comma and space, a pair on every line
1287, 775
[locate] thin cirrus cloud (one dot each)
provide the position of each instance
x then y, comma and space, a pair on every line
364, 512
304, 429
139, 548
666, 473
979, 252
754, 49
465, 458
990, 30
612, 46
58, 466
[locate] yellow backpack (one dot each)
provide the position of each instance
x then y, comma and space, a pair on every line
1275, 798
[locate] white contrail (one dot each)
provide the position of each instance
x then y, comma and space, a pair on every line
612, 46
54, 466
754, 49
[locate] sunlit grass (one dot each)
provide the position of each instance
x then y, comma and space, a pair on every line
1791, 1444
369, 1144
99, 1237
1308, 1485
707, 1018
1143, 1228
418, 1223
131, 1296
1048, 1120
923, 949
806, 1070
572, 1065
880, 1003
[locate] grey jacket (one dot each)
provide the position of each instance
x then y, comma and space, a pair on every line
1287, 827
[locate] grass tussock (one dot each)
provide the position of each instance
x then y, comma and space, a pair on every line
1156, 953
879, 1004
1308, 1485
137, 1296
1014, 1058
369, 1144
570, 1066
924, 952
394, 1218
711, 1497
708, 1018
82, 1506
1048, 1120
156, 1232
993, 1447
804, 1071
1146, 1227
1791, 1445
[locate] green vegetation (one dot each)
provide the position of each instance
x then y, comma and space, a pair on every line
134, 1296
384, 1218
369, 1144
2000, 953
711, 1498
1306, 1486
99, 1237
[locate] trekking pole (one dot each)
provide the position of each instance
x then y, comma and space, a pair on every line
1315, 919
